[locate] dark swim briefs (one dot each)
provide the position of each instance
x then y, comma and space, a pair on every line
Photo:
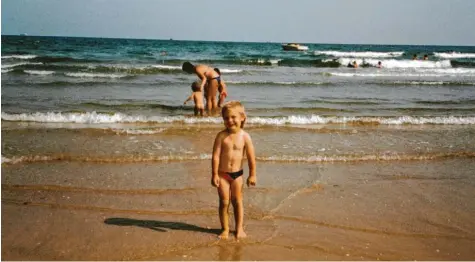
231, 176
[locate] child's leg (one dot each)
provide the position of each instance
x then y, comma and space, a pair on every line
196, 111
223, 191
236, 198
202, 111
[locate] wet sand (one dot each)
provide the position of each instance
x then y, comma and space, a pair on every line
374, 210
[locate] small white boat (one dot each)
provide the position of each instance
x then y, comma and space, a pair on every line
294, 47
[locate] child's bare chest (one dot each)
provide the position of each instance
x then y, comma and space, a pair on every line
234, 143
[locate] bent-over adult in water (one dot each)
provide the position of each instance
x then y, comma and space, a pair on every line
209, 82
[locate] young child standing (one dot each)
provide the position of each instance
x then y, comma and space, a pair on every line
197, 97
229, 148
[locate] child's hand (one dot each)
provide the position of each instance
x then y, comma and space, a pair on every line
215, 180
184, 103
251, 181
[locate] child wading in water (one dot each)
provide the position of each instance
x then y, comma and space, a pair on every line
229, 148
197, 97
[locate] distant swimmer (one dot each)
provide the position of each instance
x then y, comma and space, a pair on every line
414, 57
380, 65
426, 57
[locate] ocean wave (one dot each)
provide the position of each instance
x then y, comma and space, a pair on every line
135, 105
124, 159
430, 83
25, 57
453, 55
459, 102
386, 156
98, 118
310, 63
130, 131
416, 73
394, 63
278, 83
457, 63
94, 75
359, 54
448, 71
383, 74
37, 72
63, 59
7, 66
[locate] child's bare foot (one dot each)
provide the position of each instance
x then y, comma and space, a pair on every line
224, 234
240, 234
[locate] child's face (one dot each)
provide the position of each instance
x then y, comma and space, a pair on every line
233, 119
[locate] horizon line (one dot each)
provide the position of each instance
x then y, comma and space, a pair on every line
226, 41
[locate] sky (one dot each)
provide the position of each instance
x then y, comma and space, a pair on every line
418, 22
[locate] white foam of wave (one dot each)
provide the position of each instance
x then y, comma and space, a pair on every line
454, 55
46, 158
393, 63
19, 57
95, 75
224, 70
38, 72
387, 74
359, 54
273, 83
167, 67
19, 64
263, 61
6, 70
421, 82
139, 131
98, 118
450, 71
6, 160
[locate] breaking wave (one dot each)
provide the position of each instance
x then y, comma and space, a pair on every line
101, 118
281, 158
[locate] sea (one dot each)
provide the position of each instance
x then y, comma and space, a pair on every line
137, 87
409, 124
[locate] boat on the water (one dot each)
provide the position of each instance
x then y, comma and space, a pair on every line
294, 47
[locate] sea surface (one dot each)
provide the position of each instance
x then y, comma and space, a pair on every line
137, 87
365, 156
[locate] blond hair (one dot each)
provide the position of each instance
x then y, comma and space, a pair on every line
234, 105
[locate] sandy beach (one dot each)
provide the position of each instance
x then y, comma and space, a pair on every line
102, 161
400, 210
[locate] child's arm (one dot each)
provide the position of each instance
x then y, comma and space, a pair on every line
251, 161
188, 99
215, 161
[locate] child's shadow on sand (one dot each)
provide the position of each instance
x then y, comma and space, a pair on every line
158, 225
